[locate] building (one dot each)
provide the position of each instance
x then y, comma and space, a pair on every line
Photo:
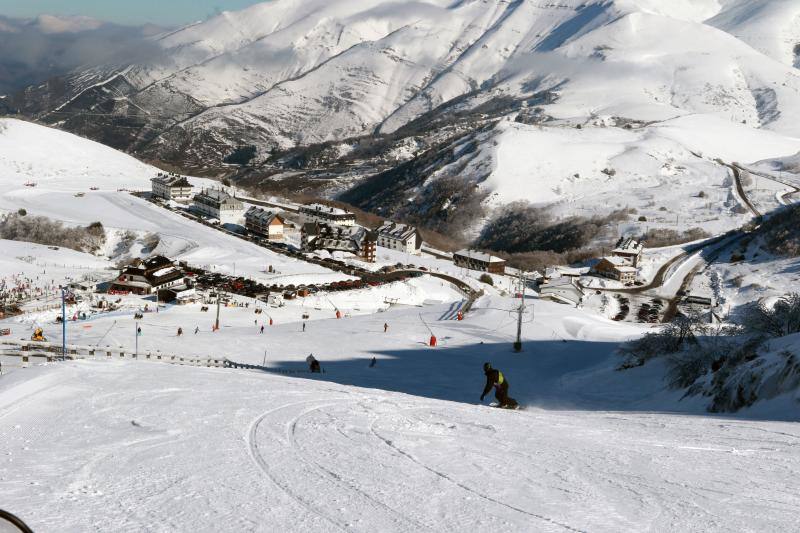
628, 249
564, 290
617, 268
556, 272
360, 242
327, 214
479, 261
215, 203
401, 237
171, 187
181, 295
266, 223
148, 276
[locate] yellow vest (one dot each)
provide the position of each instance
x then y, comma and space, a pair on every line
500, 378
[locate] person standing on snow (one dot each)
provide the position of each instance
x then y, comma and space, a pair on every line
262, 329
180, 332
385, 327
496, 379
313, 364
196, 329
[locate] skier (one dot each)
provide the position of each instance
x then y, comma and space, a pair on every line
313, 364
496, 379
385, 327
304, 327
180, 332
262, 329
196, 329
373, 362
139, 330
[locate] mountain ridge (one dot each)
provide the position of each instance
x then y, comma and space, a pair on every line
344, 93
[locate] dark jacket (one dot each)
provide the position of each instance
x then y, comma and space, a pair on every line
493, 377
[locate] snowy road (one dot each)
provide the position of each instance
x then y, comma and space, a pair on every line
190, 449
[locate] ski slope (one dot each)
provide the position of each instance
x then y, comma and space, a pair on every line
401, 446
143, 446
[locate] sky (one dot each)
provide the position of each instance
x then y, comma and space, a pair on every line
130, 12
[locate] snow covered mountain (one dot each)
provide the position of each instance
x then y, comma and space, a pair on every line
413, 79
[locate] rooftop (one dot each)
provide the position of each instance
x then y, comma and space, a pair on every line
216, 195
620, 264
172, 181
261, 214
479, 256
560, 283
627, 245
396, 231
326, 208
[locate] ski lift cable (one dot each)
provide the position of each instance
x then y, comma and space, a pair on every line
106, 333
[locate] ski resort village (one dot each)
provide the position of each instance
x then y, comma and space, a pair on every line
379, 266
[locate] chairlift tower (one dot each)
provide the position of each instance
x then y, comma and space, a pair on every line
520, 312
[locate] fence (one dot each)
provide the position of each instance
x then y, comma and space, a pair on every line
50, 351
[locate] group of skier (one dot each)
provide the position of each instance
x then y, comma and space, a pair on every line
495, 379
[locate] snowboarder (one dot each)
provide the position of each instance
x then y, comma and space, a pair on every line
496, 379
196, 330
313, 364
262, 329
385, 327
180, 332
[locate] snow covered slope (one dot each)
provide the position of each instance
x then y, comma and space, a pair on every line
62, 164
45, 156
131, 446
305, 72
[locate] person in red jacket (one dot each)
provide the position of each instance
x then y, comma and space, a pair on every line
496, 379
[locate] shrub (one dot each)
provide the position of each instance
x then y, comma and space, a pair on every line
520, 228
22, 212
642, 218
487, 279
658, 237
42, 230
780, 320
242, 155
781, 232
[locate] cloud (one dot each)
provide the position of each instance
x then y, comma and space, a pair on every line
48, 46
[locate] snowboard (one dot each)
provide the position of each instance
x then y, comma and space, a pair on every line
516, 407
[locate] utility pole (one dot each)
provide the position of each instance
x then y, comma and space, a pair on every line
520, 311
63, 323
216, 323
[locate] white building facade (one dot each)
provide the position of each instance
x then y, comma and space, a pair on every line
172, 187
401, 237
218, 204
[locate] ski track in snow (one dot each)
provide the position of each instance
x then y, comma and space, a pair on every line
174, 448
444, 476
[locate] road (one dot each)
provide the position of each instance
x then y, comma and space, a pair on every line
661, 277
784, 196
737, 177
